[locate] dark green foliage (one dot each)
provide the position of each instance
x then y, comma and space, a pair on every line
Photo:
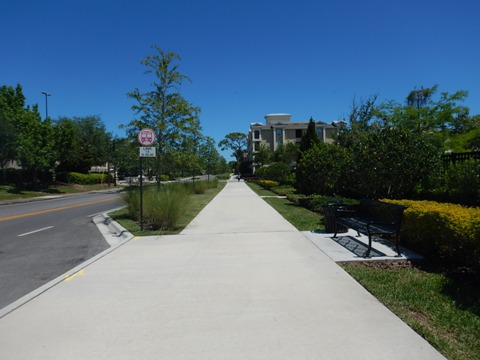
457, 182
12, 104
279, 172
287, 153
163, 108
82, 142
310, 138
83, 179
24, 137
323, 170
392, 162
317, 202
24, 177
237, 143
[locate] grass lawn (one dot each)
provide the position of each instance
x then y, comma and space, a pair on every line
301, 218
443, 308
9, 192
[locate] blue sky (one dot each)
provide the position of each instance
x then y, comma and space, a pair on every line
245, 58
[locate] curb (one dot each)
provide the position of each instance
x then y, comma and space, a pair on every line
114, 234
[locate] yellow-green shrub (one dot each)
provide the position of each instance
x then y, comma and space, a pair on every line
449, 231
267, 184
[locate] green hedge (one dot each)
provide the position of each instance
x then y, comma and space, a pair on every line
278, 172
83, 179
449, 232
316, 202
267, 184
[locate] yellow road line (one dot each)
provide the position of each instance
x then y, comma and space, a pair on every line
68, 278
52, 210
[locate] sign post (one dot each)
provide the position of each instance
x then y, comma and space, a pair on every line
146, 138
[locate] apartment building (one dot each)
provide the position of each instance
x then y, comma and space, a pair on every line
279, 129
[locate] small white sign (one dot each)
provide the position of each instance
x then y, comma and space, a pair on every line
148, 151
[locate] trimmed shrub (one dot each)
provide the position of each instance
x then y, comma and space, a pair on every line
23, 176
267, 184
322, 170
317, 202
83, 179
279, 172
449, 232
284, 190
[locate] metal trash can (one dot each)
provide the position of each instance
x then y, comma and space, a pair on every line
329, 218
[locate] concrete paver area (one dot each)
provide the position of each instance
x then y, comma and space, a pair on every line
239, 282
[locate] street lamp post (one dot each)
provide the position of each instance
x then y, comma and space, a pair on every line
46, 102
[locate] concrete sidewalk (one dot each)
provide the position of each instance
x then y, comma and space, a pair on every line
239, 282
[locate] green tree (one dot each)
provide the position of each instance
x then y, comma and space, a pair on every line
237, 142
163, 108
393, 162
262, 156
363, 116
36, 150
12, 103
83, 142
323, 170
67, 141
424, 113
209, 155
419, 98
310, 138
465, 136
24, 136
125, 157
286, 153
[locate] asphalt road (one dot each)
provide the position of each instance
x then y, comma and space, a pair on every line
41, 240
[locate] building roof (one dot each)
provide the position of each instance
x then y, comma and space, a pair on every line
289, 125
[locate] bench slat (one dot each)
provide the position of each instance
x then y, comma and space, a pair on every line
371, 217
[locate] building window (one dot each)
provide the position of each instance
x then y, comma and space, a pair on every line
298, 133
319, 133
279, 133
256, 134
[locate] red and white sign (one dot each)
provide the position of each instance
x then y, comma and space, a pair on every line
146, 137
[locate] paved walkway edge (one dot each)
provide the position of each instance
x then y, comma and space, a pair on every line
114, 234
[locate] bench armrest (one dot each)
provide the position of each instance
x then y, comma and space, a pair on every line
345, 211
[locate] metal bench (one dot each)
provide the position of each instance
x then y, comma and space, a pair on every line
371, 217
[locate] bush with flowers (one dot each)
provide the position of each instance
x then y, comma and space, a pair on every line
268, 184
448, 231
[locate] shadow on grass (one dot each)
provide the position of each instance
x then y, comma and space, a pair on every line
462, 285
23, 189
464, 290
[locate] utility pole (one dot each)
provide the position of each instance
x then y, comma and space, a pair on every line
46, 102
